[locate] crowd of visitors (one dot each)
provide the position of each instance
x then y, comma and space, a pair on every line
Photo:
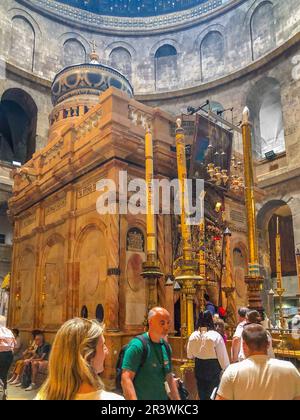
145, 371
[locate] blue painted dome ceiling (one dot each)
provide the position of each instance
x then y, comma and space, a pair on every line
133, 8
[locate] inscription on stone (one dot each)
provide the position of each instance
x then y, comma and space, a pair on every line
29, 220
135, 240
86, 190
56, 206
237, 216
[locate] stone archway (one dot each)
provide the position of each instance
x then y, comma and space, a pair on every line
135, 290
281, 209
91, 268
18, 122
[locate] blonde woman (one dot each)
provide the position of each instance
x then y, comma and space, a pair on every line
76, 360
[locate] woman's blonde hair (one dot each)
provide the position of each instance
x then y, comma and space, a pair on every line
70, 360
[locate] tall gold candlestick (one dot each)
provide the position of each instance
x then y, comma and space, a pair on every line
151, 229
278, 256
253, 280
187, 277
280, 291
151, 269
202, 264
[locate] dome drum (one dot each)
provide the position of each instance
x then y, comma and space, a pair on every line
87, 79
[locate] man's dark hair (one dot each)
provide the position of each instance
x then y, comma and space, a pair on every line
36, 332
16, 332
206, 320
256, 337
243, 312
206, 297
253, 317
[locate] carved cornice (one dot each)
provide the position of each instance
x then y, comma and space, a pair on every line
130, 25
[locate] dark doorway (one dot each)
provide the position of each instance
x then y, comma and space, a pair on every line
84, 312
18, 119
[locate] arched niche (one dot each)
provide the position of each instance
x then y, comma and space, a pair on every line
264, 103
53, 296
135, 292
262, 26
91, 260
99, 313
212, 53
166, 68
74, 52
120, 58
84, 313
25, 289
22, 48
283, 217
18, 121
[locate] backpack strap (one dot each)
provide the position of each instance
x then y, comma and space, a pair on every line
168, 349
144, 341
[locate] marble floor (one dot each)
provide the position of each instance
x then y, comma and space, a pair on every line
15, 393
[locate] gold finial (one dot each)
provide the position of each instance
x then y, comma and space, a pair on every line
148, 127
94, 57
179, 123
246, 115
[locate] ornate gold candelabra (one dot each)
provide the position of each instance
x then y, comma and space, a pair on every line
187, 277
253, 280
202, 262
236, 180
228, 287
217, 175
151, 268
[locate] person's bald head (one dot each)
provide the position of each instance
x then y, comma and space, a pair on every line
159, 322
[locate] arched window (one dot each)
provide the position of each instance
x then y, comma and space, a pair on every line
263, 34
212, 53
120, 59
22, 47
84, 312
166, 73
264, 102
100, 313
18, 119
73, 53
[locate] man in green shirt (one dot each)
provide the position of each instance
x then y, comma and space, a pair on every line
153, 380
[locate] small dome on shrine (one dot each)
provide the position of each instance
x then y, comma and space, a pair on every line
87, 79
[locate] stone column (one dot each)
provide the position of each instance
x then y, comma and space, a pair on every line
72, 266
113, 274
38, 280
13, 300
295, 209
